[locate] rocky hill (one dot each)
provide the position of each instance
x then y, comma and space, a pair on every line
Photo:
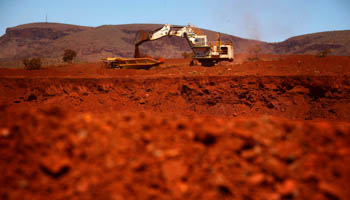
338, 42
92, 43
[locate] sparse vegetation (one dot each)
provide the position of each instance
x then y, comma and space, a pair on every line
323, 53
32, 64
69, 55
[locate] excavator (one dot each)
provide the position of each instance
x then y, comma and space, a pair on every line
208, 54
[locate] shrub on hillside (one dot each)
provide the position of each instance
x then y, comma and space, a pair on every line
31, 64
69, 55
323, 53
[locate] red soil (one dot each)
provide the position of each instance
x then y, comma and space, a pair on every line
178, 132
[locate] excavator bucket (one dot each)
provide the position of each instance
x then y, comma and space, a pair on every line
141, 36
137, 53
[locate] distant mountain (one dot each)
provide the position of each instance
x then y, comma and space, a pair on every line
49, 40
338, 42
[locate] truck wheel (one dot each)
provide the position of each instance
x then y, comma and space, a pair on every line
208, 64
192, 63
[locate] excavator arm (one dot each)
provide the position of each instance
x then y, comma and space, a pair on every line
157, 34
167, 30
143, 36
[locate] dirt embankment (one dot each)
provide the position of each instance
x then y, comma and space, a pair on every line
293, 97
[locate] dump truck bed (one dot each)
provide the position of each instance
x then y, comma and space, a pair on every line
130, 63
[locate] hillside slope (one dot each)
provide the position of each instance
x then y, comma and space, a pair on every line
338, 42
35, 39
92, 43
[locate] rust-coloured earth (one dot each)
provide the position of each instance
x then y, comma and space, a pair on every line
277, 128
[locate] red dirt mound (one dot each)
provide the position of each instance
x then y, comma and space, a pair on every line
52, 154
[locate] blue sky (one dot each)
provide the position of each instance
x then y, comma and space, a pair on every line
267, 20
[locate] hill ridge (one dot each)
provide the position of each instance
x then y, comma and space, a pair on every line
43, 39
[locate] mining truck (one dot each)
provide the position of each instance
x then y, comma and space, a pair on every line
207, 53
